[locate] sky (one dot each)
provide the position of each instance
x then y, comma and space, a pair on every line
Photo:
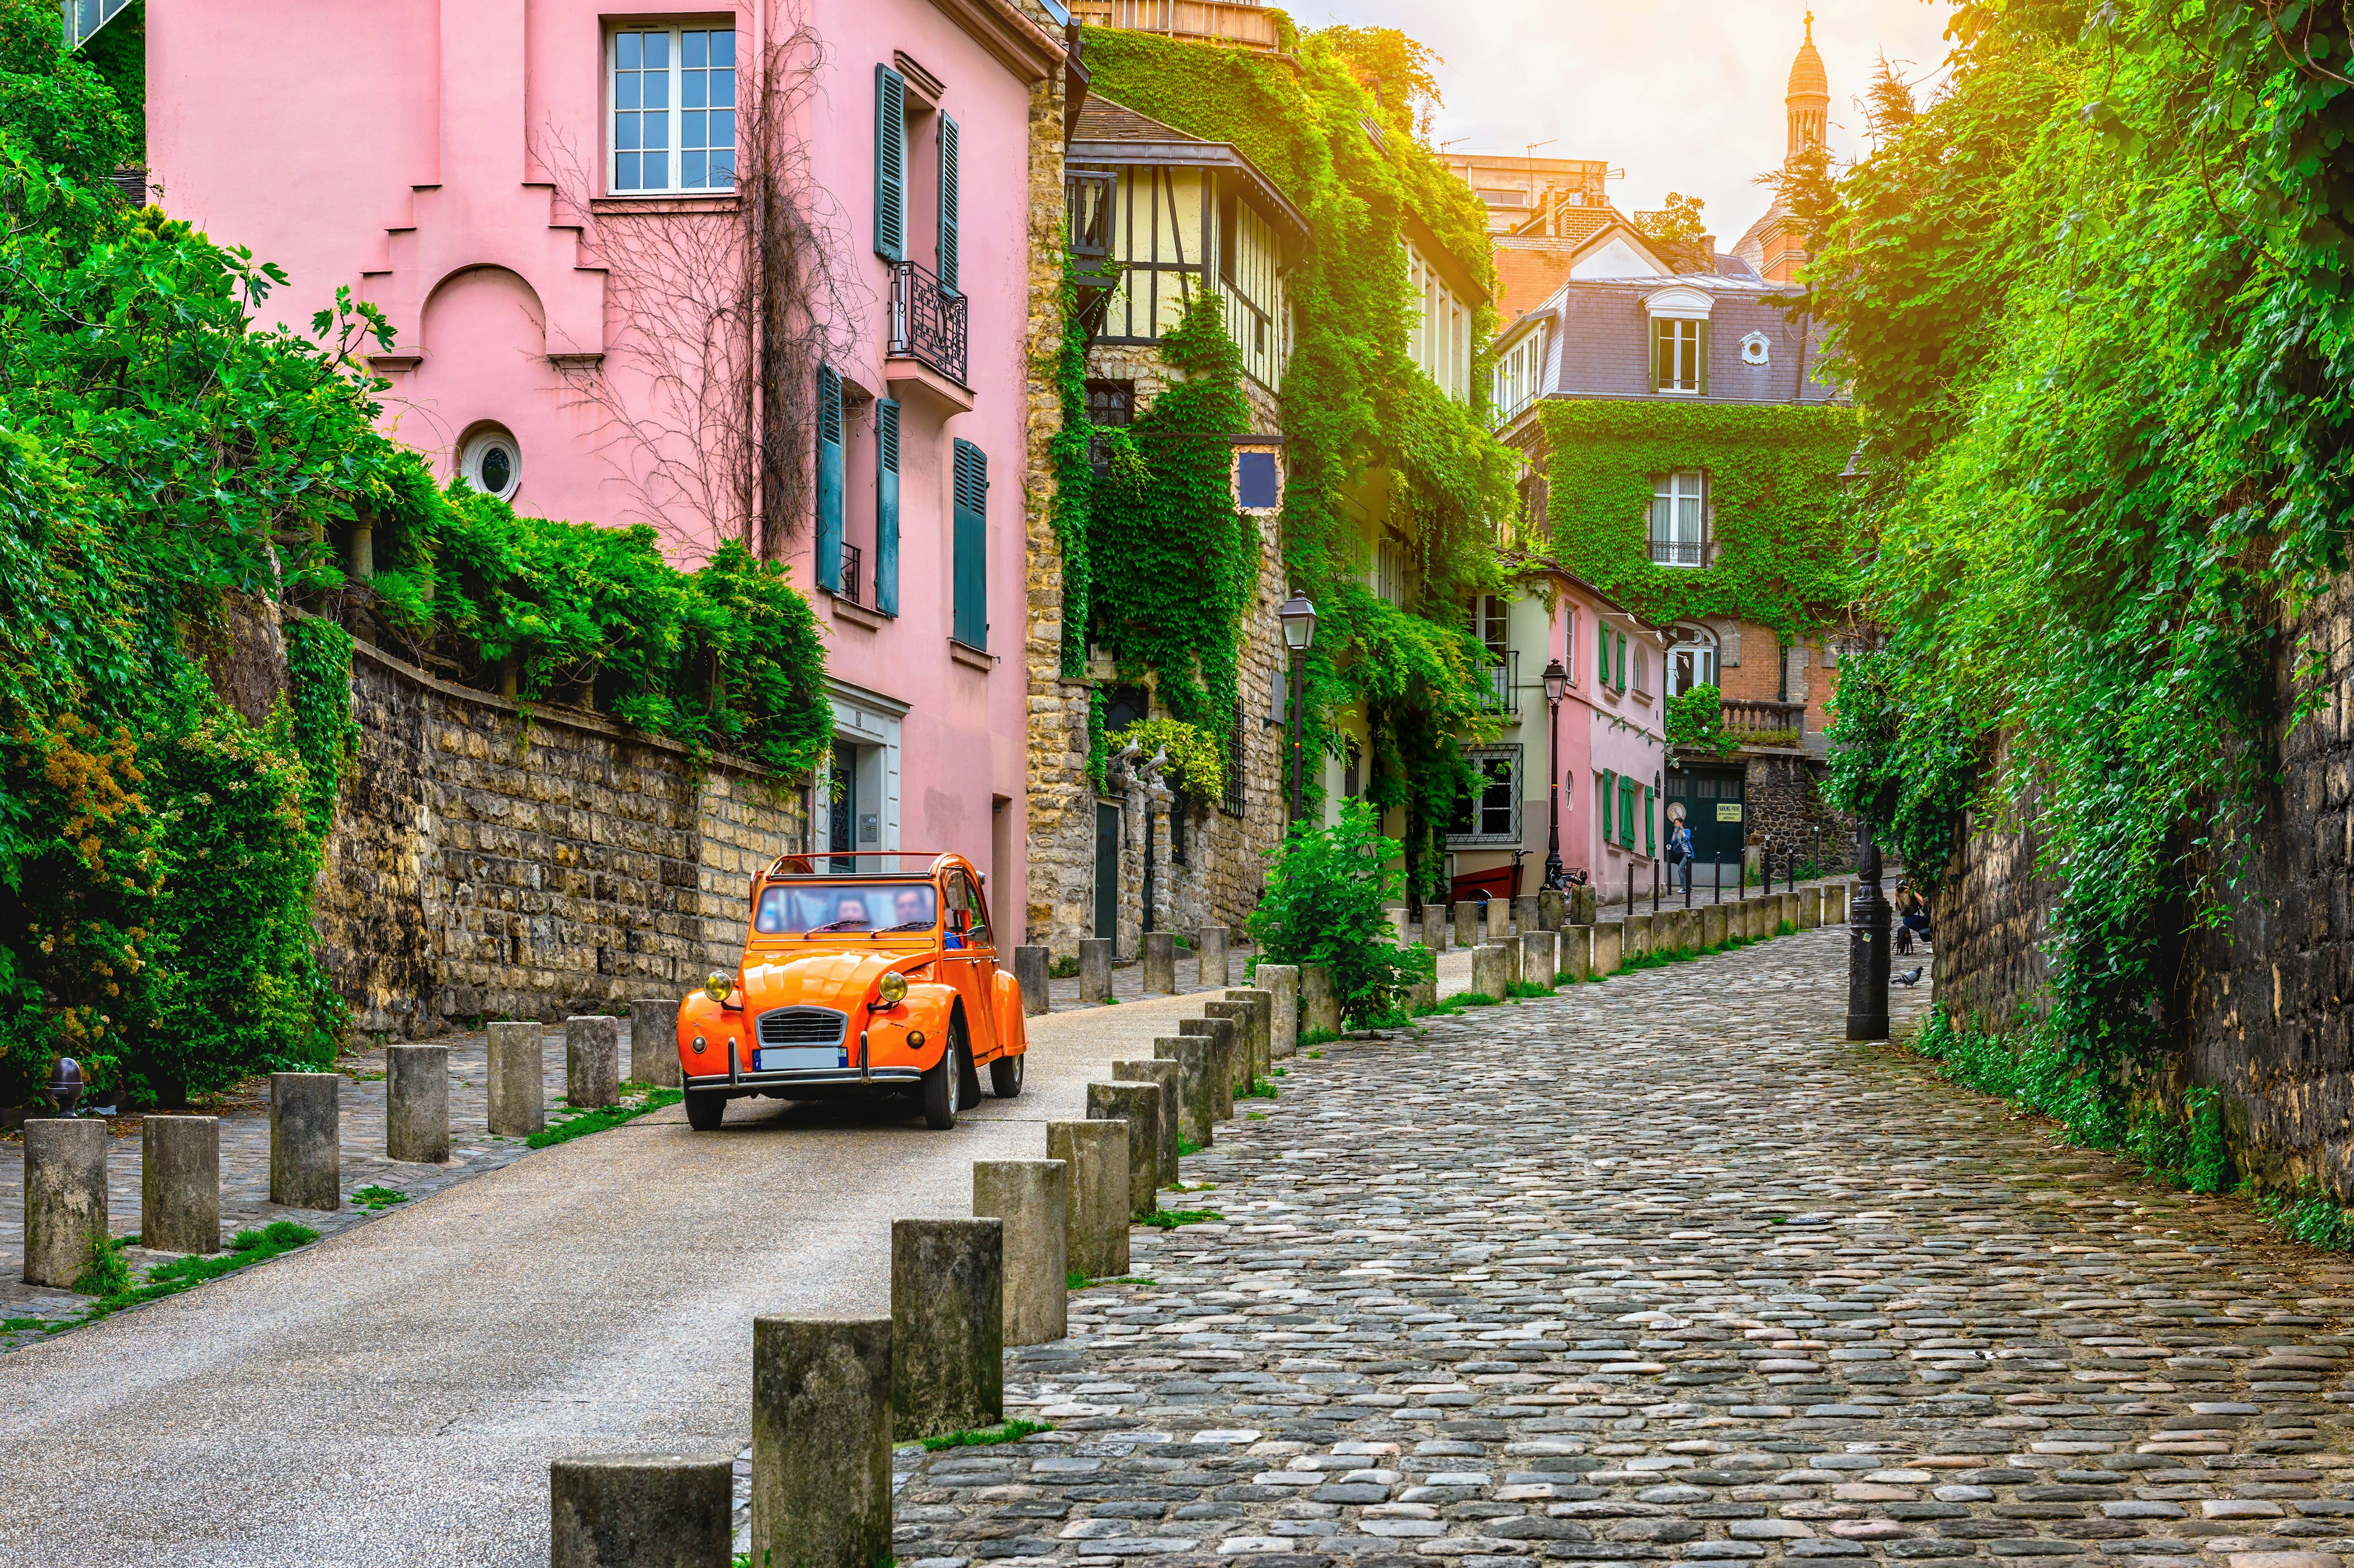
1685, 95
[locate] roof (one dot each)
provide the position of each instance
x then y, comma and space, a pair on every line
1601, 341
1808, 78
1113, 133
1547, 564
1571, 225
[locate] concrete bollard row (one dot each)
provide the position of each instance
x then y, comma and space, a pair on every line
1577, 952
1635, 940
1245, 1019
1712, 925
947, 1326
592, 1061
1097, 1219
1281, 983
1033, 1197
65, 1197
1609, 946
416, 1104
1166, 1077
641, 1510
179, 1184
1467, 923
518, 1080
1095, 967
1320, 1003
1262, 1047
1159, 963
1553, 909
1210, 961
1490, 974
1220, 1034
1197, 1089
1434, 927
1540, 956
1137, 1107
1810, 908
653, 1042
822, 1441
306, 1154
1032, 968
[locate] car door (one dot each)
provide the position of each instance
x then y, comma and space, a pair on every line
972, 964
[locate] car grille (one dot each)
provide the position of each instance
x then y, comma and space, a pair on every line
803, 1026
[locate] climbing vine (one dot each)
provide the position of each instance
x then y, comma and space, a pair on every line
1783, 556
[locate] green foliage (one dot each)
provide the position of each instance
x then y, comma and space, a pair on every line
1197, 763
1696, 723
110, 1279
2310, 1215
1075, 478
1325, 903
1784, 556
1680, 220
2094, 302
1170, 1219
637, 1100
378, 1197
1013, 1431
1910, 774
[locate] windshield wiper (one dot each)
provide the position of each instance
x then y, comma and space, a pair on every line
906, 925
838, 925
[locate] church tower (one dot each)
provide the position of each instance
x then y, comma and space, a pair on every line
1774, 245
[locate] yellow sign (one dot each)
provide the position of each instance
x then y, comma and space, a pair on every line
1728, 810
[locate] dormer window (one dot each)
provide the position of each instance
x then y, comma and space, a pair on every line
1678, 340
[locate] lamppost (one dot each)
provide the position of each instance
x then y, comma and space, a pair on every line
1556, 685
1299, 619
1867, 945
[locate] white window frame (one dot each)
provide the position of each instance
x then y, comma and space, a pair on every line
675, 111
1683, 378
1670, 489
1477, 756
1704, 647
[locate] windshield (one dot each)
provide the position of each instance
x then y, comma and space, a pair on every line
846, 906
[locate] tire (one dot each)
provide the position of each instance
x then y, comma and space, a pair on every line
944, 1084
968, 1084
704, 1109
1005, 1077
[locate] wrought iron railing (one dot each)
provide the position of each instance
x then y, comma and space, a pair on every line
850, 563
1500, 692
1666, 552
928, 320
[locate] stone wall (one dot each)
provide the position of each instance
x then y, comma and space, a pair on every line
487, 862
1785, 802
2255, 1004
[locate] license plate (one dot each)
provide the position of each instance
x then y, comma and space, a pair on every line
785, 1058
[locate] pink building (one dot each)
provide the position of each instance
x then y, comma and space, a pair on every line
1612, 747
543, 196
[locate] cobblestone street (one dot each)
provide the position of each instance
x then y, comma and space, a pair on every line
1662, 1271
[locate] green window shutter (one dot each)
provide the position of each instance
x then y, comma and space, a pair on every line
1650, 820
1620, 681
1602, 801
1703, 351
969, 582
1602, 664
887, 506
948, 204
890, 164
1627, 812
829, 479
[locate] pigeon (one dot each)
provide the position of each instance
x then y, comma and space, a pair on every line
1912, 978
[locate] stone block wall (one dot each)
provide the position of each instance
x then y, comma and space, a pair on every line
487, 862
1784, 800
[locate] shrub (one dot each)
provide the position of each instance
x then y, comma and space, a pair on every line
1325, 903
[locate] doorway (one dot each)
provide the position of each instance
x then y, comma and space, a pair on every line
1715, 802
1107, 869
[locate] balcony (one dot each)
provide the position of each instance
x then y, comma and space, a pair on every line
1765, 723
1667, 552
1248, 26
927, 330
852, 559
1500, 693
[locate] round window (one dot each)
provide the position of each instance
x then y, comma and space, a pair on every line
492, 463
1755, 349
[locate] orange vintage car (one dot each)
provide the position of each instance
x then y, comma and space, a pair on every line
867, 974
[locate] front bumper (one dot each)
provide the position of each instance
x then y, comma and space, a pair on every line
810, 1077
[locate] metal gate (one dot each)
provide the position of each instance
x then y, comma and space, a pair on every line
1107, 869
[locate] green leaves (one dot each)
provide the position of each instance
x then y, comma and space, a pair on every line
1325, 903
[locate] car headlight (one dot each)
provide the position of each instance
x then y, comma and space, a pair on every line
719, 987
892, 990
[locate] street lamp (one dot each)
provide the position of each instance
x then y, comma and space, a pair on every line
1556, 685
1299, 619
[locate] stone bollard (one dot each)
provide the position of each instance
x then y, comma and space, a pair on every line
1164, 1076
1096, 1235
1790, 909
65, 1197
1034, 1198
1553, 909
947, 1326
1467, 923
179, 1184
822, 1441
1220, 1033
1513, 956
1138, 1108
1319, 1004
1210, 963
1712, 923
306, 1169
1541, 957
1688, 929
641, 1510
653, 1043
1835, 897
1282, 984
1636, 940
1489, 971
1583, 903
1159, 963
592, 1061
416, 1104
1433, 928
1245, 1018
1526, 914
1577, 952
1397, 916
1029, 972
518, 1080
1197, 1090
1810, 908
1094, 968
1609, 947
1423, 995
1262, 1004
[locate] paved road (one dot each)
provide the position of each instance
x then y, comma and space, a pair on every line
1661, 1271
392, 1396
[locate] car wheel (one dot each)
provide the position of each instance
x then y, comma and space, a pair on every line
1005, 1077
968, 1084
944, 1084
704, 1109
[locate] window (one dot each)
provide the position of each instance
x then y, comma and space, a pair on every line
1678, 355
1642, 668
1439, 342
1353, 780
1492, 814
1517, 373
1692, 658
491, 462
1680, 519
673, 103
968, 622
1111, 404
1389, 571
1493, 623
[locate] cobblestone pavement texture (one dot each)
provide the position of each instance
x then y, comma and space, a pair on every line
1661, 1271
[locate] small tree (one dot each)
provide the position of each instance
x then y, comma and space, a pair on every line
1325, 903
